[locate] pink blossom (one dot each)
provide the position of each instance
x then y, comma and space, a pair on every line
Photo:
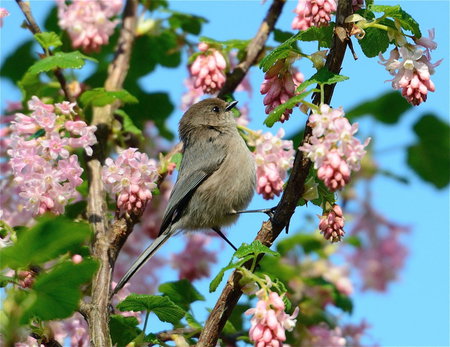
89, 23
273, 157
66, 107
131, 178
354, 332
208, 69
195, 260
55, 145
3, 13
280, 84
332, 224
412, 70
333, 148
322, 336
269, 321
313, 13
86, 134
191, 96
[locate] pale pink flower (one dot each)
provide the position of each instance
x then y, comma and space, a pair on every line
333, 148
208, 69
313, 13
279, 85
191, 96
131, 178
86, 134
66, 107
195, 260
354, 333
322, 336
55, 145
273, 157
412, 70
77, 259
269, 321
89, 23
3, 13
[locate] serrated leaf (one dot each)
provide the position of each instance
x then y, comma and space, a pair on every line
396, 12
128, 124
101, 97
374, 41
228, 44
48, 238
281, 52
281, 36
187, 22
276, 114
255, 248
24, 54
430, 156
123, 329
387, 108
182, 293
192, 322
72, 60
324, 35
162, 306
216, 280
325, 76
57, 292
48, 39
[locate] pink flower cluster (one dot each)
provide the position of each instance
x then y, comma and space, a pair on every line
313, 13
381, 255
195, 260
45, 172
332, 224
3, 13
89, 22
322, 336
279, 85
208, 69
412, 69
269, 321
273, 157
131, 178
333, 148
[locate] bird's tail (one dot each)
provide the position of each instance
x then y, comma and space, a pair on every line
143, 258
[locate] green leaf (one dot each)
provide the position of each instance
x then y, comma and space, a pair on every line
57, 293
36, 135
281, 52
228, 44
182, 293
342, 301
216, 280
323, 35
256, 248
325, 76
5, 280
101, 97
176, 159
430, 156
153, 339
192, 322
162, 306
375, 41
11, 69
48, 39
128, 125
76, 209
387, 108
276, 114
281, 36
123, 329
309, 242
396, 12
187, 22
72, 60
47, 239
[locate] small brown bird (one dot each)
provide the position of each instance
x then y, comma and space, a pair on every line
216, 177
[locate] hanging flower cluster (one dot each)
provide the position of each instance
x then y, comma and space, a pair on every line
333, 148
273, 157
208, 69
45, 172
131, 178
280, 83
313, 13
412, 69
89, 23
332, 224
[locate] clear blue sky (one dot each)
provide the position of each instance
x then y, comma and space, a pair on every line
415, 311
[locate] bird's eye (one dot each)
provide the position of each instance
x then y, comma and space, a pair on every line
215, 109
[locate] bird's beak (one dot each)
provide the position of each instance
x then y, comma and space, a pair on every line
231, 105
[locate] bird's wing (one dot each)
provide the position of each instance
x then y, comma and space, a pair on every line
195, 168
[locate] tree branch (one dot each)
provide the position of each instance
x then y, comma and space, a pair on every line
294, 189
97, 312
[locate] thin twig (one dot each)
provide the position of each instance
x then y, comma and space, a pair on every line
285, 209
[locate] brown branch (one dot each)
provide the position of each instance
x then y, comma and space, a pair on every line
34, 28
96, 311
254, 49
294, 189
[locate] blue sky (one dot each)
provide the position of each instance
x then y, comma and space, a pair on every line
415, 311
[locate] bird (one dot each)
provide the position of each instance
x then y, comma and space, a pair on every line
216, 179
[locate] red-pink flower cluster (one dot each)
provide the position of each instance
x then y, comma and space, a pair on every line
191, 96
195, 260
381, 255
313, 13
333, 148
269, 321
322, 336
208, 69
43, 168
279, 85
332, 224
131, 178
412, 69
273, 157
89, 23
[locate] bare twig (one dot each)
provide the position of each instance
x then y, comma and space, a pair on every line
294, 189
97, 310
34, 28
